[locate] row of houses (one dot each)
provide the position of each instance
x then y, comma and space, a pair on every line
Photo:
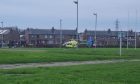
9, 35
112, 38
46, 37
30, 37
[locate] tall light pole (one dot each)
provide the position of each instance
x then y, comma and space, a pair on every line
1, 24
135, 30
95, 28
2, 35
120, 38
60, 33
121, 43
76, 2
128, 30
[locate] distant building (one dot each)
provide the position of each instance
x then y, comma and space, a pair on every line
9, 35
45, 37
12, 36
110, 38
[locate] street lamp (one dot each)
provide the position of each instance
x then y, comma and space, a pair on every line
128, 30
135, 30
120, 43
95, 27
76, 2
1, 24
60, 33
2, 35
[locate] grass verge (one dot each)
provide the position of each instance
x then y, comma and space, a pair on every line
35, 55
117, 73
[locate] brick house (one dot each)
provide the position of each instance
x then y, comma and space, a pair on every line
45, 37
111, 38
9, 34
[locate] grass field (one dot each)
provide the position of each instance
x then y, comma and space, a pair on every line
120, 73
114, 73
31, 55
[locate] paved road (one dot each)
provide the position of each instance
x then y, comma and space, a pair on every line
54, 64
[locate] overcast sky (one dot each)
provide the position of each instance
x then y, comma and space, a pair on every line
47, 13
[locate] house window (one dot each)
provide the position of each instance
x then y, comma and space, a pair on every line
50, 42
62, 36
51, 36
46, 36
33, 36
38, 36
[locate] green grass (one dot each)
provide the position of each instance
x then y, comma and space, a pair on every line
31, 55
120, 73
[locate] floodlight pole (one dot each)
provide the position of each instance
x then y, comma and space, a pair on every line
20, 40
120, 37
95, 27
76, 2
127, 39
60, 33
128, 31
121, 43
1, 24
2, 35
135, 32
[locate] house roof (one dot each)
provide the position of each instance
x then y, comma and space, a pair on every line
40, 31
102, 33
4, 31
109, 33
66, 32
50, 31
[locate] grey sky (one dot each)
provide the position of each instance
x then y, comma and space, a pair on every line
47, 13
